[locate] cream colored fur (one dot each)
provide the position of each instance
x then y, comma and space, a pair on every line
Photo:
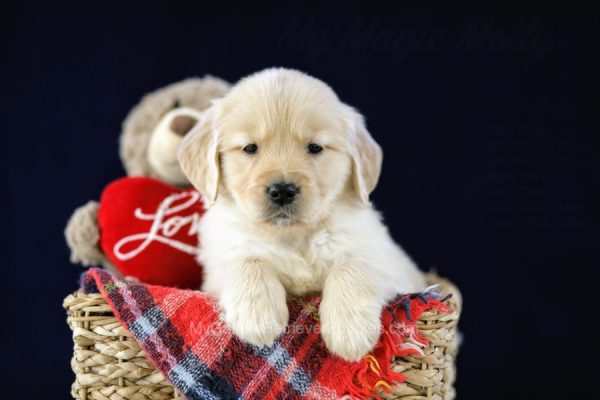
329, 240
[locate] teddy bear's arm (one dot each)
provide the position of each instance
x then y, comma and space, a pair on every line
83, 236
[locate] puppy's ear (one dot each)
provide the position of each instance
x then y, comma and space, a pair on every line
366, 158
199, 158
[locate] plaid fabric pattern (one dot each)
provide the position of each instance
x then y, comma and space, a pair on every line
184, 337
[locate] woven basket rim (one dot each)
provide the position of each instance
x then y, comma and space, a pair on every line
109, 363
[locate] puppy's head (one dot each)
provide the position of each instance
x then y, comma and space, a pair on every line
283, 149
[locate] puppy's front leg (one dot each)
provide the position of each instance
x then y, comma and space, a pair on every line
254, 302
350, 312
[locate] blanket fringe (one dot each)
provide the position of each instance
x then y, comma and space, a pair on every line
399, 337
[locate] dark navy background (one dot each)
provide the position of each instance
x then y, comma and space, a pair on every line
486, 116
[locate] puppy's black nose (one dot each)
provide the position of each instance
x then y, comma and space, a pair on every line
282, 193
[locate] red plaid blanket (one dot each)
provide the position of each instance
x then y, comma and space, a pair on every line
184, 337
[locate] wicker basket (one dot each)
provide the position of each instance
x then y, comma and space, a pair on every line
110, 365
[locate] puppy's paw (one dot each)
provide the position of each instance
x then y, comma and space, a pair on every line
257, 319
350, 330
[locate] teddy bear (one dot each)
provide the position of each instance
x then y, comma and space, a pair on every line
149, 138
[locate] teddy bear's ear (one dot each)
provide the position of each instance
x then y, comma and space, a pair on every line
199, 158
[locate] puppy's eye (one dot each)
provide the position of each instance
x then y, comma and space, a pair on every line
251, 149
314, 148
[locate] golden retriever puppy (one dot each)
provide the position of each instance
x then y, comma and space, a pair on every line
285, 169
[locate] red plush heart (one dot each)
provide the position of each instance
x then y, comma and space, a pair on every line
148, 230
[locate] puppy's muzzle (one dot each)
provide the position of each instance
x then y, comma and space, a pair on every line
283, 193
